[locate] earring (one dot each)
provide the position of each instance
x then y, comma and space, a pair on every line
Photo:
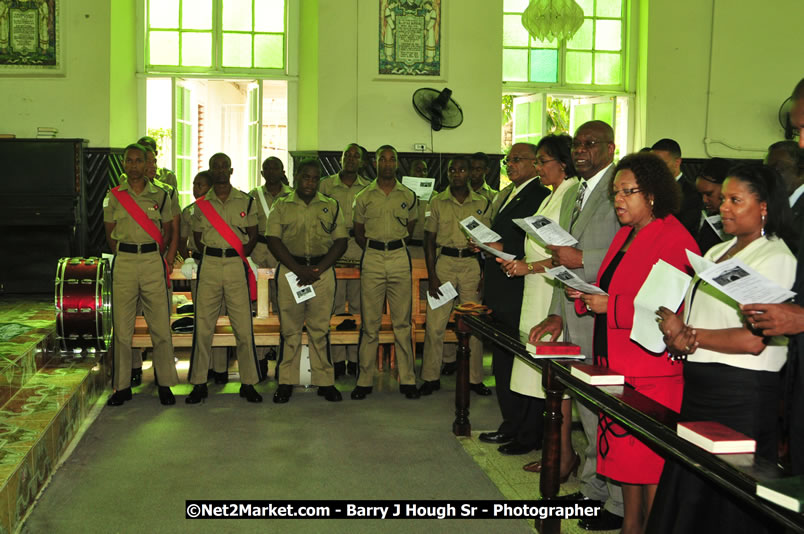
651, 203
762, 233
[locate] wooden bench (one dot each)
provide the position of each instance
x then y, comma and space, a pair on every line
266, 321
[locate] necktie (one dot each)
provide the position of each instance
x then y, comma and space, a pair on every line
578, 203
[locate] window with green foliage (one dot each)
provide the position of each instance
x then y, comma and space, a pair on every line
594, 57
215, 35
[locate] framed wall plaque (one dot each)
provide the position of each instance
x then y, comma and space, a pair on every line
30, 37
410, 38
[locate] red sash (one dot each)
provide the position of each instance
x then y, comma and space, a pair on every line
231, 238
143, 220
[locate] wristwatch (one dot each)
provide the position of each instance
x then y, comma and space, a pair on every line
530, 267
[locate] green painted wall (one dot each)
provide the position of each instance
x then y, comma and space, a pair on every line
307, 128
122, 69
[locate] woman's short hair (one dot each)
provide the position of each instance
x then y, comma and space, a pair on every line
654, 179
715, 170
559, 146
764, 182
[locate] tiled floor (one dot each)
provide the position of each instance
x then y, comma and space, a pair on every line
44, 396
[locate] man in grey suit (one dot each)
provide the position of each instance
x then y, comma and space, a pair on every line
588, 212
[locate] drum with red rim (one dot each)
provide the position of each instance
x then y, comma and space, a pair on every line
83, 304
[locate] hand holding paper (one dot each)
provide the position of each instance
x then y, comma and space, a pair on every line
448, 293
665, 286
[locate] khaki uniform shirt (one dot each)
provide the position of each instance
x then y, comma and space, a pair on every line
306, 230
174, 196
239, 212
262, 216
167, 176
385, 217
446, 213
153, 200
186, 226
345, 195
487, 191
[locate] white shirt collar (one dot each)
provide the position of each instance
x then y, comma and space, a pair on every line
516, 191
592, 182
796, 194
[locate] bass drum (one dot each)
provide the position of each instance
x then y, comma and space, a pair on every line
83, 304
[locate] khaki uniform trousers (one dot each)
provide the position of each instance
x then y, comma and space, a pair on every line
223, 281
385, 274
264, 259
315, 315
141, 276
220, 356
347, 291
464, 273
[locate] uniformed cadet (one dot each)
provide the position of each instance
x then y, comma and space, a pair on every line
138, 272
307, 234
170, 249
343, 187
164, 174
188, 250
478, 168
456, 264
384, 214
275, 187
223, 277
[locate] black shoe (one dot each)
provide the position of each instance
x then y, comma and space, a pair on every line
283, 393
480, 389
605, 520
360, 392
409, 391
271, 355
515, 448
351, 368
578, 496
210, 375
136, 377
166, 396
340, 369
429, 386
262, 369
222, 377
330, 393
119, 397
199, 392
495, 437
248, 392
449, 368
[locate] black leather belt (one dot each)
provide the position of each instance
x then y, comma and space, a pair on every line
415, 243
307, 260
134, 249
457, 252
391, 245
196, 256
262, 239
220, 252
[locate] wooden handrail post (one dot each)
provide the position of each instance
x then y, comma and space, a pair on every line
550, 479
461, 426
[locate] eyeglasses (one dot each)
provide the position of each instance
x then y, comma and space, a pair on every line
544, 161
588, 145
625, 192
516, 159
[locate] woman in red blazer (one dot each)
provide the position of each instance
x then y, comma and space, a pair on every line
645, 196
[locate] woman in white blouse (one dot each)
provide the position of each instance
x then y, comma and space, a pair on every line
555, 169
731, 373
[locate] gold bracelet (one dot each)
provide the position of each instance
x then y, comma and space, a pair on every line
530, 267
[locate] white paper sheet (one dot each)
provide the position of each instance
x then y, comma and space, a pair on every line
448, 293
423, 187
567, 277
493, 251
743, 284
300, 293
478, 231
665, 286
699, 264
717, 225
546, 230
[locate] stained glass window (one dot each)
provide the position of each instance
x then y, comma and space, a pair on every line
593, 57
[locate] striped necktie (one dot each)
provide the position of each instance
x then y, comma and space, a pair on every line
576, 211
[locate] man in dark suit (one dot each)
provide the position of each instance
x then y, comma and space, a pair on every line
788, 160
788, 319
522, 426
587, 211
691, 205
